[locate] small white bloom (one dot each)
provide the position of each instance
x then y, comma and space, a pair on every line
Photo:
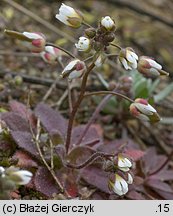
107, 22
128, 58
37, 41
124, 163
130, 179
150, 68
83, 44
100, 60
33, 36
120, 186
2, 171
74, 69
69, 16
144, 111
51, 54
22, 177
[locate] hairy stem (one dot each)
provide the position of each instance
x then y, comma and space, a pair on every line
76, 106
90, 160
64, 50
110, 92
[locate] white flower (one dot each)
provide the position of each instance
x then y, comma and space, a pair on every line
124, 163
119, 186
2, 171
74, 69
21, 177
107, 22
100, 60
51, 54
150, 68
144, 111
69, 16
130, 179
83, 44
37, 39
128, 58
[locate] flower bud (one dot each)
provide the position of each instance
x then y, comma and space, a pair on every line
150, 68
84, 44
124, 164
108, 23
128, 58
51, 54
118, 185
90, 32
98, 46
38, 41
144, 111
69, 16
75, 69
130, 178
125, 83
20, 177
109, 37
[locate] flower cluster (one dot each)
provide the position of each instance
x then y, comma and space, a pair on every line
121, 175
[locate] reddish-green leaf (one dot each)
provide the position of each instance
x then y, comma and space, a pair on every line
24, 160
25, 142
96, 177
45, 183
157, 184
52, 120
15, 122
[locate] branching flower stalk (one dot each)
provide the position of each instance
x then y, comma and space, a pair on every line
76, 106
109, 92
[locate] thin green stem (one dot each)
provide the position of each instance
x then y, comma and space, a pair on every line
64, 50
86, 24
115, 45
110, 92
